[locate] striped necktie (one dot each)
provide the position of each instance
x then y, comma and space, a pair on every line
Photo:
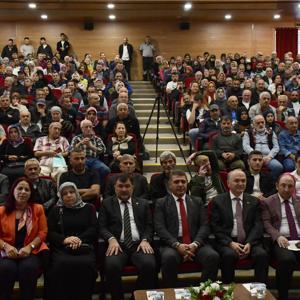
127, 228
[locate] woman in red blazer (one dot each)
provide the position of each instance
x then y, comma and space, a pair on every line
23, 230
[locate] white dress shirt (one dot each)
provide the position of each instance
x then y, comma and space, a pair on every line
178, 212
233, 205
125, 55
134, 231
284, 227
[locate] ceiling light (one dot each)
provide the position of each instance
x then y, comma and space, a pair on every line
112, 17
228, 17
44, 17
276, 17
110, 6
187, 6
299, 5
32, 5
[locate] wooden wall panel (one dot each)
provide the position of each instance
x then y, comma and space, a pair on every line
168, 39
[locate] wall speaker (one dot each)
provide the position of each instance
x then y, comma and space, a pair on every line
88, 25
184, 25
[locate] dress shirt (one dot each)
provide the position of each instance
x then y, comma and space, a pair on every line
256, 187
125, 55
246, 104
134, 231
284, 227
178, 212
296, 107
233, 205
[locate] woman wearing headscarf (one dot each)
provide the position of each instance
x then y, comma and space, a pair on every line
23, 230
91, 114
14, 152
270, 121
72, 234
243, 121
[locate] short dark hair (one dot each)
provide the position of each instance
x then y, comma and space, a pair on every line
226, 118
254, 152
176, 173
124, 177
10, 40
42, 38
26, 38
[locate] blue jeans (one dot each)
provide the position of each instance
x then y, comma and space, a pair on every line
194, 134
289, 165
100, 167
275, 167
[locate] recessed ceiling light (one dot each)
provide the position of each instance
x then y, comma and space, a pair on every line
110, 6
228, 17
276, 17
299, 5
112, 17
187, 6
32, 5
44, 17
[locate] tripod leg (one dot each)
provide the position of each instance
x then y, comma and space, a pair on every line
157, 127
149, 120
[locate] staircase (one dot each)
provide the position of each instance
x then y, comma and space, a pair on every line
143, 98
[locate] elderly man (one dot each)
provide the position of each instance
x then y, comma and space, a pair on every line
93, 147
159, 182
237, 225
289, 143
45, 190
180, 222
260, 87
284, 108
246, 99
27, 128
122, 98
262, 106
51, 150
264, 140
294, 97
228, 146
281, 215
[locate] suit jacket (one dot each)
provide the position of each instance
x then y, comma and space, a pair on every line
158, 188
129, 48
39, 227
166, 221
140, 186
110, 218
65, 51
222, 219
266, 184
271, 214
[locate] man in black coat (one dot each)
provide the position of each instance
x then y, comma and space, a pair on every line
9, 49
180, 222
237, 225
126, 53
125, 223
63, 46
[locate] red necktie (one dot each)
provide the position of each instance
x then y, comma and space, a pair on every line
186, 238
241, 235
291, 221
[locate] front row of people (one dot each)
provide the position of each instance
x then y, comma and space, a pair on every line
236, 219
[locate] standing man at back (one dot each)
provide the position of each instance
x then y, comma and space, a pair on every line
126, 53
147, 50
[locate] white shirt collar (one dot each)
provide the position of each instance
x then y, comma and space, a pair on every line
121, 201
282, 200
234, 197
176, 198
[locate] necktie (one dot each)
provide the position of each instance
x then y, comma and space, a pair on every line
186, 238
291, 221
127, 228
239, 221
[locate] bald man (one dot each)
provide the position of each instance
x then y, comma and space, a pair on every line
237, 225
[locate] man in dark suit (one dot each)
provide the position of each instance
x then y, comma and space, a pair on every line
281, 219
159, 182
125, 222
126, 53
180, 222
237, 225
63, 46
140, 184
259, 184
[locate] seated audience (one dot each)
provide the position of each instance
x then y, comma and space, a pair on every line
264, 140
281, 221
14, 151
289, 143
262, 106
8, 115
159, 182
72, 235
180, 223
228, 146
284, 108
4, 187
27, 128
23, 230
231, 108
128, 166
243, 121
52, 150
271, 123
237, 225
93, 147
206, 184
125, 223
44, 188
119, 144
260, 184
86, 180
122, 98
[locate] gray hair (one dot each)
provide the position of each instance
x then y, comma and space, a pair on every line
31, 161
263, 94
166, 155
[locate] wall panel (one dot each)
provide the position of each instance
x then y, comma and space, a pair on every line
168, 38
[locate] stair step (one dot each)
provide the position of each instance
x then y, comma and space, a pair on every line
162, 120
163, 128
163, 138
143, 99
151, 148
146, 113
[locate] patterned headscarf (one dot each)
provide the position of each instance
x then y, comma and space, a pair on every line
77, 204
19, 140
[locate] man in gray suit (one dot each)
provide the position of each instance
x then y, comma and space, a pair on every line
180, 222
281, 218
